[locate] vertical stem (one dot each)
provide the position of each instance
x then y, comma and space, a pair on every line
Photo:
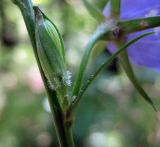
115, 6
63, 131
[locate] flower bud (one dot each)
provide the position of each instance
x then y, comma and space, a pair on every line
50, 50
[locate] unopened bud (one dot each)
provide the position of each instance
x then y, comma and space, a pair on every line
50, 50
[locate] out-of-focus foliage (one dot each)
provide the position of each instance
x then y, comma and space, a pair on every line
111, 113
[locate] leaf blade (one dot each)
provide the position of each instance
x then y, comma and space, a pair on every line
106, 63
129, 72
94, 11
135, 25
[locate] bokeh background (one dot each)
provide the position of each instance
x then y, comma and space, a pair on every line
111, 114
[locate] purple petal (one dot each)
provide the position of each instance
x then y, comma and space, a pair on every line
136, 8
145, 52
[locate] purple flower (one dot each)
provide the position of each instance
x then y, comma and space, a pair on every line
145, 52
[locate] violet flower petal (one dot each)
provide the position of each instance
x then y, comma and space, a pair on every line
145, 52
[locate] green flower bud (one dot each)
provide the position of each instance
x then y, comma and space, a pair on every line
50, 50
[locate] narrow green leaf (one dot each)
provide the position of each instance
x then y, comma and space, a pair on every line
103, 32
84, 61
94, 11
130, 26
101, 67
129, 71
101, 4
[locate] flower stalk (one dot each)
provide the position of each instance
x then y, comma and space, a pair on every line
115, 8
63, 130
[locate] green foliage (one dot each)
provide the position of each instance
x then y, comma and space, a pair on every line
110, 110
128, 69
94, 11
106, 63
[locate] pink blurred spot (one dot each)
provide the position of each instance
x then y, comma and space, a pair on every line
34, 80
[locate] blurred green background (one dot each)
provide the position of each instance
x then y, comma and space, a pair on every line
111, 114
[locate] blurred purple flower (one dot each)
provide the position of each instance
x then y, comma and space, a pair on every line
145, 52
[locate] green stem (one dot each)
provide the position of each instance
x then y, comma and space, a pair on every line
63, 130
115, 8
